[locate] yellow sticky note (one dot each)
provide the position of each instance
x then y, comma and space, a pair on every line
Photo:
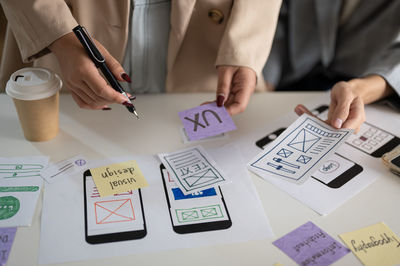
118, 178
374, 245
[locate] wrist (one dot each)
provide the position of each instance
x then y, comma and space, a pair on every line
63, 43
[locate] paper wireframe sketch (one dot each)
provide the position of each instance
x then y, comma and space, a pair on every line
20, 186
205, 121
193, 169
64, 168
299, 150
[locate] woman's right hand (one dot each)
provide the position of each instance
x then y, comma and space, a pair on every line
88, 88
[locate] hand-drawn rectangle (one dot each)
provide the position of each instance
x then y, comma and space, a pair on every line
114, 211
199, 213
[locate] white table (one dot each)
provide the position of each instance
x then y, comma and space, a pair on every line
98, 134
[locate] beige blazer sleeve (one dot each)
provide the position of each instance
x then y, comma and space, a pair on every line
35, 31
249, 33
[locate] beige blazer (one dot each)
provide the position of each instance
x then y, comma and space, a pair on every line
203, 34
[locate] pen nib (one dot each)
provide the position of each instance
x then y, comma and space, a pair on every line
135, 113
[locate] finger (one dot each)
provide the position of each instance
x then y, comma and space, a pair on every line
301, 109
340, 114
113, 64
89, 103
96, 98
225, 75
356, 116
99, 86
79, 100
239, 101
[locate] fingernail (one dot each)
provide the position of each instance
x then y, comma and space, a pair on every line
106, 108
126, 103
338, 123
298, 110
220, 100
132, 98
125, 77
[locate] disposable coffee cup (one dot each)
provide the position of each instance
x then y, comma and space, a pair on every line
35, 95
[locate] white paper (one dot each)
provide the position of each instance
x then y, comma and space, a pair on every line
299, 150
185, 138
20, 186
63, 215
313, 193
64, 168
193, 169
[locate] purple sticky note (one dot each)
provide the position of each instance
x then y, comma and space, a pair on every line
6, 240
310, 245
205, 121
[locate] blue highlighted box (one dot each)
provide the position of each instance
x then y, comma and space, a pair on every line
178, 194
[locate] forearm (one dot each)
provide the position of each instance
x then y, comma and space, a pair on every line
371, 88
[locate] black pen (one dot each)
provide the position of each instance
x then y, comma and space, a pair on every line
98, 59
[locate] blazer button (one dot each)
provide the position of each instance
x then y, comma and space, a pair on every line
216, 16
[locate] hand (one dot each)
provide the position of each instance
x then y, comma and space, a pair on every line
235, 86
88, 88
346, 109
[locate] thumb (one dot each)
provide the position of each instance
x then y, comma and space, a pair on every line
225, 74
340, 114
113, 64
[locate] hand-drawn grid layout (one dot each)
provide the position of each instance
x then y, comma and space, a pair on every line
299, 149
199, 213
192, 169
114, 211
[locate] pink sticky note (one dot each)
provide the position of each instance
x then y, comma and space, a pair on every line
6, 240
206, 120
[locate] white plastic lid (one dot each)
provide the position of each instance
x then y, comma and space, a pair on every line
33, 83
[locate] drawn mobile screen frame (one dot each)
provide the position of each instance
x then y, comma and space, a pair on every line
116, 236
388, 146
196, 227
339, 181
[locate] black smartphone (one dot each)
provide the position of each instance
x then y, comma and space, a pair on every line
334, 173
114, 218
197, 212
373, 140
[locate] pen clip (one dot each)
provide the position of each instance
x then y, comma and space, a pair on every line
90, 46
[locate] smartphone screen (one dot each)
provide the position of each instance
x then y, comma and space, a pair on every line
113, 218
197, 212
373, 140
337, 171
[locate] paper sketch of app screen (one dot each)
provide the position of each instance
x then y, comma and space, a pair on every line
10, 205
334, 173
373, 140
113, 216
300, 150
197, 212
194, 171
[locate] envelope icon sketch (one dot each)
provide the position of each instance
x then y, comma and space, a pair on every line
201, 178
190, 215
114, 211
284, 153
209, 212
303, 141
